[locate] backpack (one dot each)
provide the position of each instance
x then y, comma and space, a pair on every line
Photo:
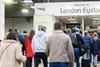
73, 39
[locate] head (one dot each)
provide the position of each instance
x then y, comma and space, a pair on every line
58, 26
68, 30
15, 30
32, 33
75, 30
10, 30
11, 36
24, 31
42, 28
95, 34
85, 32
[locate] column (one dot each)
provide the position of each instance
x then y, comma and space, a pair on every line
82, 26
2, 19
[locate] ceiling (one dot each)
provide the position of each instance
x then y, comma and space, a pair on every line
14, 10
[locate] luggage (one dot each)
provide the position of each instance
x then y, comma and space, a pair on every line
86, 60
85, 63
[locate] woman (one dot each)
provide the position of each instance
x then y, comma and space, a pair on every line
28, 48
95, 48
10, 52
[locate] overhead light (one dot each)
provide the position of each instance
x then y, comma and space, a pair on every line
24, 10
9, 1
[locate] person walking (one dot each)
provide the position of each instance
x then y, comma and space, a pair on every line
59, 48
39, 47
10, 52
28, 49
95, 48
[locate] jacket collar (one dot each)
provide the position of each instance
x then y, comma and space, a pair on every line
11, 41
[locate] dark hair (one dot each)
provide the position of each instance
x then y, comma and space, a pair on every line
10, 30
11, 36
57, 26
24, 31
15, 30
32, 33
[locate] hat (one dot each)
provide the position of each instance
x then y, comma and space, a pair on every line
75, 29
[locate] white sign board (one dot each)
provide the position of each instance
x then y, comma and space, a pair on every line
68, 8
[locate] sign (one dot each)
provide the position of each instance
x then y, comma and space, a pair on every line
68, 8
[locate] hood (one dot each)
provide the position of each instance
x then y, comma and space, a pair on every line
40, 33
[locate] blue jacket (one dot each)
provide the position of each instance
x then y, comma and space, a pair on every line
87, 40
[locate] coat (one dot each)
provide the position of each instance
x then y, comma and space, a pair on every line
28, 47
95, 48
12, 55
59, 48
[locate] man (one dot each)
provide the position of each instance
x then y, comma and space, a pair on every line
59, 48
39, 47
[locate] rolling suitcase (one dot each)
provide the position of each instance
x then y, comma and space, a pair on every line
86, 60
85, 63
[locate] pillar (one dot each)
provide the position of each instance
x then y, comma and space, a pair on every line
2, 19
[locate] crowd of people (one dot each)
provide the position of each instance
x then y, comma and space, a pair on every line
62, 49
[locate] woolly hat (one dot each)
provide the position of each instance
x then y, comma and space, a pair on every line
75, 29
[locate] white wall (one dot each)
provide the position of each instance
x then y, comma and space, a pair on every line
45, 20
18, 23
2, 19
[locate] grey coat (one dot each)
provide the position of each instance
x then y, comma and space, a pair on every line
12, 55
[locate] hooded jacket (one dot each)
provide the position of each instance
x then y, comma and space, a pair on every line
39, 42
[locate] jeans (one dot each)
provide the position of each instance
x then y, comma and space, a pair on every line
94, 59
59, 64
29, 62
77, 57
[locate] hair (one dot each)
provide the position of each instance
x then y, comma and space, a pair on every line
11, 36
68, 30
10, 30
85, 32
32, 33
24, 31
95, 34
15, 30
57, 26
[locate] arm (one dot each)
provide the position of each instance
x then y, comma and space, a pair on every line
48, 47
70, 51
19, 55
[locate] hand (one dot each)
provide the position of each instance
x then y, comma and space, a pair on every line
24, 58
71, 64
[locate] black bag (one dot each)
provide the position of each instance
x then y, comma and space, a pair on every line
83, 49
85, 63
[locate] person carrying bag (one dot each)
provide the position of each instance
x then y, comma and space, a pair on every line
10, 52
